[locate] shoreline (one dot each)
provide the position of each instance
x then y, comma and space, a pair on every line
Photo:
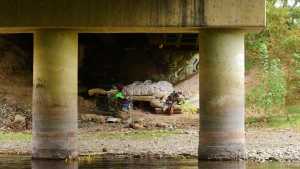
262, 145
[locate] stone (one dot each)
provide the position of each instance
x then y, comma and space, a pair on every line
20, 119
124, 115
113, 120
92, 118
137, 126
104, 150
127, 122
139, 120
161, 125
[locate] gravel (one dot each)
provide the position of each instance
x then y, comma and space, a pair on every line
8, 114
279, 145
262, 145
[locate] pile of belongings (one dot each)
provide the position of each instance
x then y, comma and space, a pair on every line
148, 88
161, 95
158, 94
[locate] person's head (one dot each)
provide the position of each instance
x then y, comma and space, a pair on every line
120, 87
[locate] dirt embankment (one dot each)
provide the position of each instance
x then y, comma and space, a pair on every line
190, 88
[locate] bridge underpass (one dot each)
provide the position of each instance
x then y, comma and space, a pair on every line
221, 26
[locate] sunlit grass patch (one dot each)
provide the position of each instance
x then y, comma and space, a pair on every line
15, 136
188, 108
135, 135
295, 109
291, 119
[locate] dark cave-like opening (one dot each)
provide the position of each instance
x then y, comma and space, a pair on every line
109, 59
106, 59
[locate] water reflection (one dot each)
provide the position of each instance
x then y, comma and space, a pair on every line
139, 164
24, 162
222, 165
129, 164
48, 164
160, 164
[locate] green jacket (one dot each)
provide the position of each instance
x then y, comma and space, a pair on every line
119, 95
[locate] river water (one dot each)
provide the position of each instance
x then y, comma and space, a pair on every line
23, 162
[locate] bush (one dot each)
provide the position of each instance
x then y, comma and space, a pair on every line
275, 53
270, 94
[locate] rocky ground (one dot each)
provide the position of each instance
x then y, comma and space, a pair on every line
153, 135
275, 145
165, 140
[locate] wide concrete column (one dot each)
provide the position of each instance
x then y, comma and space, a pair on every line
55, 94
222, 95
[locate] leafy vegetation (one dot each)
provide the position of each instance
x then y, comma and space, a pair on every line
188, 108
278, 121
275, 54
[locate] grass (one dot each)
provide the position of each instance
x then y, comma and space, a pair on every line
135, 135
189, 108
19, 136
249, 64
289, 120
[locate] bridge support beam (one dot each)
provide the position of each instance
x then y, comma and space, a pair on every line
55, 94
222, 135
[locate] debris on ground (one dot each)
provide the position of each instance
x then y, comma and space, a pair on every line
160, 96
113, 120
20, 119
92, 118
161, 125
15, 117
136, 126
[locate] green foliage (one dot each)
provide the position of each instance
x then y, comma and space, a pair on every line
269, 95
10, 136
275, 83
296, 60
278, 121
275, 52
188, 108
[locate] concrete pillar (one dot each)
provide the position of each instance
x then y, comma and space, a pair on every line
55, 94
222, 95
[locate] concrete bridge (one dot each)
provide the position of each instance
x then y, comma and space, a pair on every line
221, 25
